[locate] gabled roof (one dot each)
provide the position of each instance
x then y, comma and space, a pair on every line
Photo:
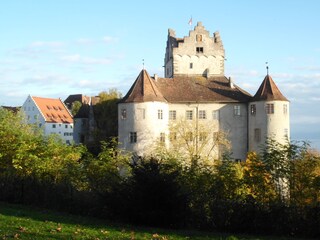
201, 89
143, 89
268, 91
185, 89
53, 110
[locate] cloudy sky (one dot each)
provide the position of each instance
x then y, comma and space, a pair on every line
57, 48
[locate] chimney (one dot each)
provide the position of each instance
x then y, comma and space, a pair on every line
207, 73
231, 82
155, 77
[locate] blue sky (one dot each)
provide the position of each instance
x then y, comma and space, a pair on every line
62, 47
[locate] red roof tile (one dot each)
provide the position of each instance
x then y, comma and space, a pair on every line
53, 110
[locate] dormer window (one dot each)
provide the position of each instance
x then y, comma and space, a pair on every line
199, 49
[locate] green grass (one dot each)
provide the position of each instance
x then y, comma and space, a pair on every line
20, 222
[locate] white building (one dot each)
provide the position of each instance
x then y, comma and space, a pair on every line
51, 115
195, 90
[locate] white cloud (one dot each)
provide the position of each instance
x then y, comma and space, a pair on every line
76, 58
84, 41
317, 99
47, 80
47, 44
305, 120
108, 39
27, 52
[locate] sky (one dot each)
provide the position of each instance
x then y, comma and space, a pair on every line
54, 48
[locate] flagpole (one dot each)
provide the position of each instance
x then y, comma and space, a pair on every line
190, 23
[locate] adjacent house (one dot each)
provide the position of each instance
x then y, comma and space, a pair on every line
51, 115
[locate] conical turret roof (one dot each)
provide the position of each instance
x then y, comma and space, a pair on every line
268, 91
143, 90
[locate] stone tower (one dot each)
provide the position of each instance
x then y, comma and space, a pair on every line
268, 116
197, 54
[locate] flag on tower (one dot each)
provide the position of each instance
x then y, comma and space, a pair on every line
190, 21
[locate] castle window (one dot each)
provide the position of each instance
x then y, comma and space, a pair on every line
172, 115
191, 65
270, 108
133, 137
203, 136
215, 114
162, 137
253, 109
160, 114
285, 108
123, 114
189, 114
202, 114
236, 110
257, 134
199, 49
173, 136
54, 126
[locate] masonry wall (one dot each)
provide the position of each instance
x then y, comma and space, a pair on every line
275, 126
220, 117
197, 54
142, 119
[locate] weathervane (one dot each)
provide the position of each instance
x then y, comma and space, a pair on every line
143, 64
267, 67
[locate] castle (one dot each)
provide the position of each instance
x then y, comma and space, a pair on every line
197, 106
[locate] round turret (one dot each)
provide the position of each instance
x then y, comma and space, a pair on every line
268, 116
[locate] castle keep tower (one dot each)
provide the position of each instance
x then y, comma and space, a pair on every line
268, 116
196, 54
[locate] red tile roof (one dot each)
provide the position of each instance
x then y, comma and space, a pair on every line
184, 89
268, 91
53, 110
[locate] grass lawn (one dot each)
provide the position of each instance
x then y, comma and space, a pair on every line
20, 222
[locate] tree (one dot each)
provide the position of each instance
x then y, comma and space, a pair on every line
195, 139
105, 172
111, 94
276, 158
106, 116
76, 105
257, 179
305, 178
29, 157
